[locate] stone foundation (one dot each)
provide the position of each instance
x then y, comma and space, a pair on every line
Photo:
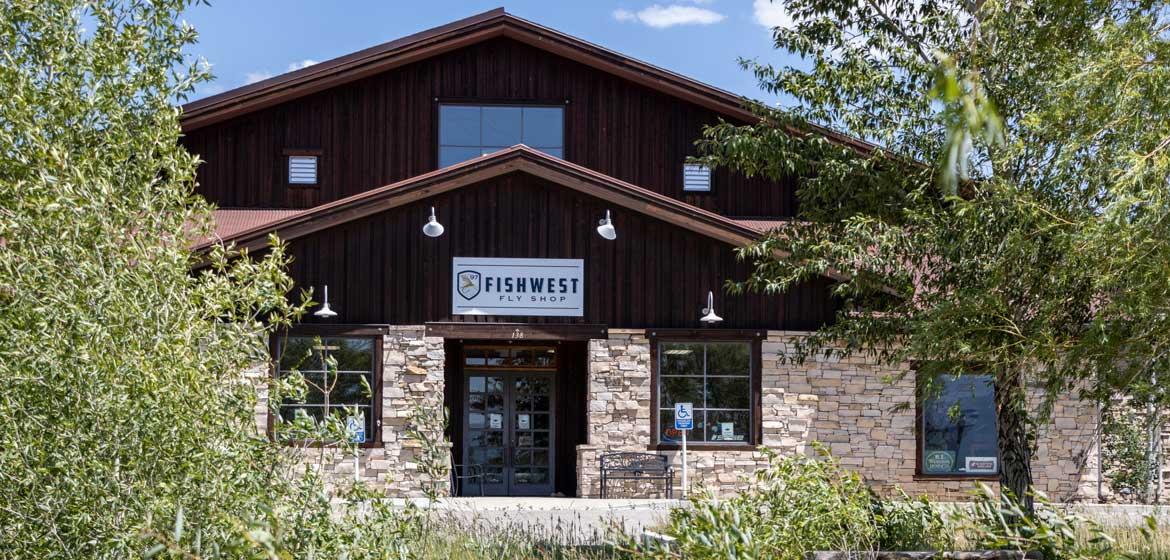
862, 412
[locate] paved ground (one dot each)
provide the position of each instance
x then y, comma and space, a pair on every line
565, 520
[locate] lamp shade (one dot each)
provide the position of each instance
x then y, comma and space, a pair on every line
605, 228
709, 317
433, 228
325, 312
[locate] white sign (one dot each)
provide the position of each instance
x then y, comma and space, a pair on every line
684, 416
496, 421
518, 287
523, 422
982, 465
727, 430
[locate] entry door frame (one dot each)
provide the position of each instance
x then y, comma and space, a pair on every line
508, 376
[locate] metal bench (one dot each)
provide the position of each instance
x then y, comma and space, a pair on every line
635, 466
470, 473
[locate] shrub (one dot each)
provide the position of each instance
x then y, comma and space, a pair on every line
911, 524
1125, 450
795, 505
124, 399
1000, 523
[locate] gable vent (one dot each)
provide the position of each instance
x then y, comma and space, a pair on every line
302, 170
696, 178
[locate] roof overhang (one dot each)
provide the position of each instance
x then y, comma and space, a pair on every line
475, 29
518, 158
455, 35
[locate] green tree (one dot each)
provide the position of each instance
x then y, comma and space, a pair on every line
122, 391
1013, 221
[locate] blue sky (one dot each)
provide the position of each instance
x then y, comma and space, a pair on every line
248, 40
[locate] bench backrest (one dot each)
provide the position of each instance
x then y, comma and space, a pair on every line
630, 461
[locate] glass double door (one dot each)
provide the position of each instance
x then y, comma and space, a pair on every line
508, 432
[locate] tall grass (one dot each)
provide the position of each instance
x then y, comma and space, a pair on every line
1139, 544
452, 540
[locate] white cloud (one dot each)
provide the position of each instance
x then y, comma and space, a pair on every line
624, 15
253, 77
771, 14
302, 64
660, 17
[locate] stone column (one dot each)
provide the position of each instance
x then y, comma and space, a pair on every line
412, 376
619, 402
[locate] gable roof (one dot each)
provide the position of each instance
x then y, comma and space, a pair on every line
294, 224
462, 33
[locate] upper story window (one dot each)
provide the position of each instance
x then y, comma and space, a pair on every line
339, 381
957, 426
469, 131
716, 378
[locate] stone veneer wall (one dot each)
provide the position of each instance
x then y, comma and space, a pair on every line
412, 374
851, 405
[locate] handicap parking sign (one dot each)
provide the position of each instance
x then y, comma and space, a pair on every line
356, 426
684, 418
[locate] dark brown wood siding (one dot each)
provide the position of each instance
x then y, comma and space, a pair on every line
382, 269
383, 129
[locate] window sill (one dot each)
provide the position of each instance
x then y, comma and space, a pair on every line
704, 447
929, 477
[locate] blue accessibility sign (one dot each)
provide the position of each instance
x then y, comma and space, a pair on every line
356, 426
684, 416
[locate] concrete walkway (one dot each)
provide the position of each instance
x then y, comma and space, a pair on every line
560, 520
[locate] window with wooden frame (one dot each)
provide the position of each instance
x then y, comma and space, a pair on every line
341, 379
720, 378
956, 426
467, 131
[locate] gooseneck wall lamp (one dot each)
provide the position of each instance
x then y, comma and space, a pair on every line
709, 317
433, 228
325, 312
605, 227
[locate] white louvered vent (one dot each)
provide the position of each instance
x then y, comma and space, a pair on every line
302, 170
696, 178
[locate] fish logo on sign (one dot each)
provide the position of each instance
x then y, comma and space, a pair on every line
469, 281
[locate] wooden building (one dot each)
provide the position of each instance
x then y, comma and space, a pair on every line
508, 226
